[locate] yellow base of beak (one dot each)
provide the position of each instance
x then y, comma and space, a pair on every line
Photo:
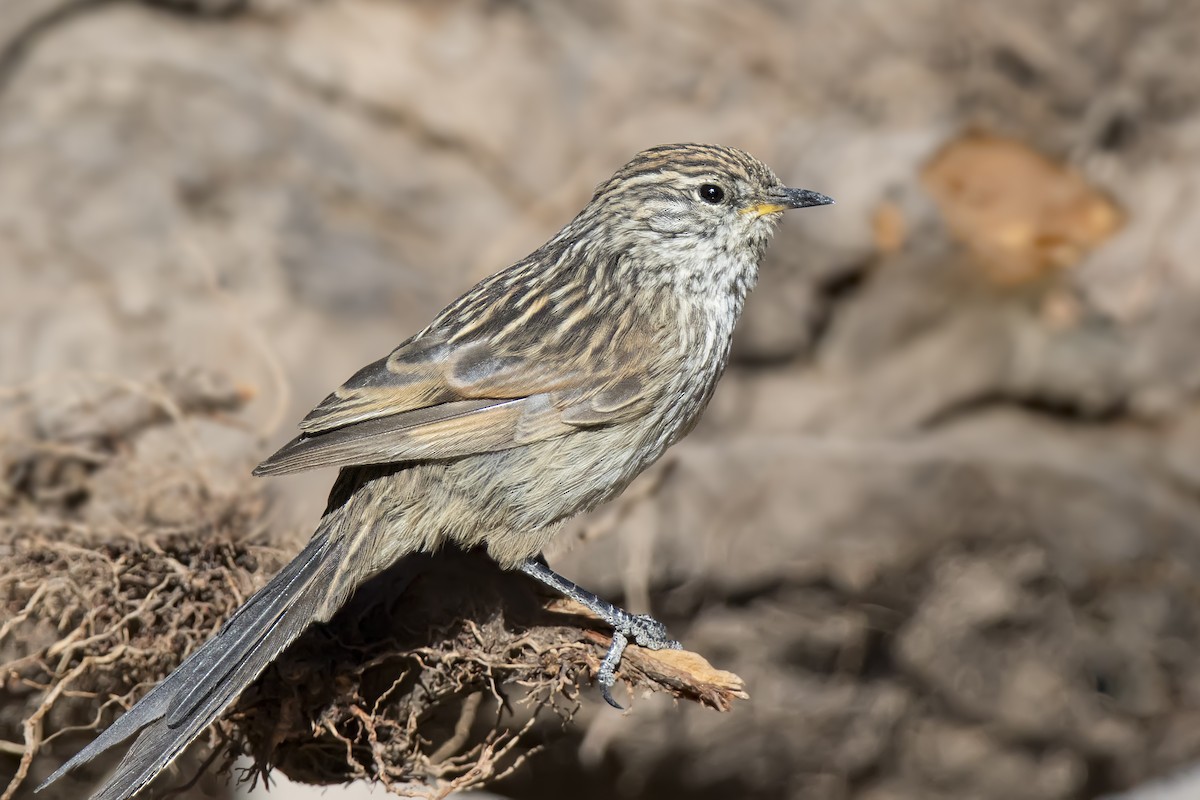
762, 209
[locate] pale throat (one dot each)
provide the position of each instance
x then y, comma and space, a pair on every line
710, 289
719, 276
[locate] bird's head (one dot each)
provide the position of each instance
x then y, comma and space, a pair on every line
698, 195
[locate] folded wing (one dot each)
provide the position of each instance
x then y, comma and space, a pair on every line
432, 399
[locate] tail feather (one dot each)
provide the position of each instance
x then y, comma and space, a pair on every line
189, 699
253, 626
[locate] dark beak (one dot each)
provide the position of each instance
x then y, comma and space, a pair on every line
782, 199
803, 198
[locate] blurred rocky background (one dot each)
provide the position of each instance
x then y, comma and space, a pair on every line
943, 515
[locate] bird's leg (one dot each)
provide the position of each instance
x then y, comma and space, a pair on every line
646, 631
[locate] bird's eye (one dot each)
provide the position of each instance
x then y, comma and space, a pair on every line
711, 193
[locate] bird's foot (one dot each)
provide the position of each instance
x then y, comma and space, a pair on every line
643, 630
646, 631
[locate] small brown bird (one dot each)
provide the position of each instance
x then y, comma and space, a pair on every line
538, 394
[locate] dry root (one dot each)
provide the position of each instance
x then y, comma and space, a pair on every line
429, 681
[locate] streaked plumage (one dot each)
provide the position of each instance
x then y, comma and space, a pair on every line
538, 394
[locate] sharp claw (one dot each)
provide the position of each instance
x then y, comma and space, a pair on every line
606, 676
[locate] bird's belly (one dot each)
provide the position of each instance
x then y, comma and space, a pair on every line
517, 499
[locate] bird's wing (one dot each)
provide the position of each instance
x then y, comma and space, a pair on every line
433, 399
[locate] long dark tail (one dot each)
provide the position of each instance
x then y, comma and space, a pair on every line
177, 710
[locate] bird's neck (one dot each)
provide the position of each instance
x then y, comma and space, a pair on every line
702, 280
